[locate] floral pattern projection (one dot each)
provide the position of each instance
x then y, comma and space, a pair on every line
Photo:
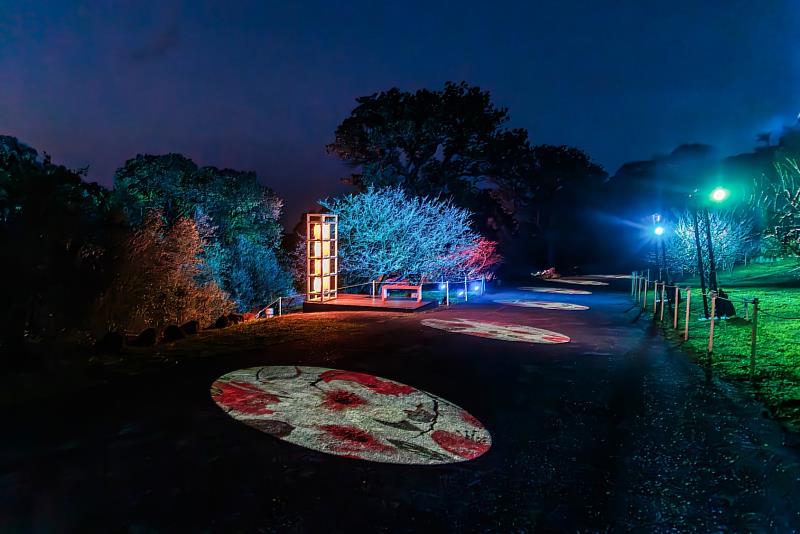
556, 290
501, 331
543, 304
579, 282
351, 414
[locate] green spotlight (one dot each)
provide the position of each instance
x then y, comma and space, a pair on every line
720, 194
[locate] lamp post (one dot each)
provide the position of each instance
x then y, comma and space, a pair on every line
718, 195
700, 271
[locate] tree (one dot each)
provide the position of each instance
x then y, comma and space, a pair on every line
53, 233
429, 142
731, 236
455, 143
780, 198
478, 259
237, 216
546, 190
160, 278
387, 232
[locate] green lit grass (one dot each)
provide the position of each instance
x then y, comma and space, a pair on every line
777, 365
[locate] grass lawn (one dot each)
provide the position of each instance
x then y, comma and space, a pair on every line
777, 369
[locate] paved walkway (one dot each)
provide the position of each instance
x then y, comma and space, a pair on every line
613, 431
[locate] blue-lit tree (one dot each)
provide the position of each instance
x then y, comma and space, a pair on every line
236, 215
731, 235
386, 232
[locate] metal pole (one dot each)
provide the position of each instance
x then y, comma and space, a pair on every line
447, 293
280, 306
711, 324
466, 292
701, 272
483, 285
754, 324
633, 282
688, 302
712, 268
373, 289
663, 299
677, 299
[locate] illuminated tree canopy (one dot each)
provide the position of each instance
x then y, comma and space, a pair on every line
731, 236
781, 200
386, 232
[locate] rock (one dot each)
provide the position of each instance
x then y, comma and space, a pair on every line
249, 316
235, 318
222, 322
173, 333
191, 328
111, 343
147, 338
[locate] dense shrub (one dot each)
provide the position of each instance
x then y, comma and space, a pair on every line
159, 279
236, 216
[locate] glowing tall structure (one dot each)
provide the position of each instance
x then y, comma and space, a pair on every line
322, 263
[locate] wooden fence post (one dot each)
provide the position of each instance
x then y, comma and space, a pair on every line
688, 302
711, 325
677, 299
753, 339
644, 299
663, 299
655, 299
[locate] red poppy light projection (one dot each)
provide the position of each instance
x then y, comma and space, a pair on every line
351, 414
543, 304
579, 282
501, 331
556, 290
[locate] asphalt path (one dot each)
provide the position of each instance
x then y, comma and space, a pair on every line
614, 431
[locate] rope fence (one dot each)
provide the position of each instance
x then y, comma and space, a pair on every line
676, 306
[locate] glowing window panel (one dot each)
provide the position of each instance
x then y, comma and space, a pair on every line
322, 262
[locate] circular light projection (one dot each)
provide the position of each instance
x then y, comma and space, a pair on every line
351, 414
580, 282
501, 331
543, 304
556, 290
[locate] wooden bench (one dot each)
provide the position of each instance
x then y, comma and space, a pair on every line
408, 287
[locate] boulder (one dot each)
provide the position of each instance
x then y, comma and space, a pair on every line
111, 343
191, 328
147, 338
222, 322
249, 316
235, 318
173, 333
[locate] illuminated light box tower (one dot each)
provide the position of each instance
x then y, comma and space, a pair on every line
322, 263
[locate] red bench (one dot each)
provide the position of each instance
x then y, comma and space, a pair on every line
385, 290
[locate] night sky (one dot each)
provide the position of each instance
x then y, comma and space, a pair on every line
262, 85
